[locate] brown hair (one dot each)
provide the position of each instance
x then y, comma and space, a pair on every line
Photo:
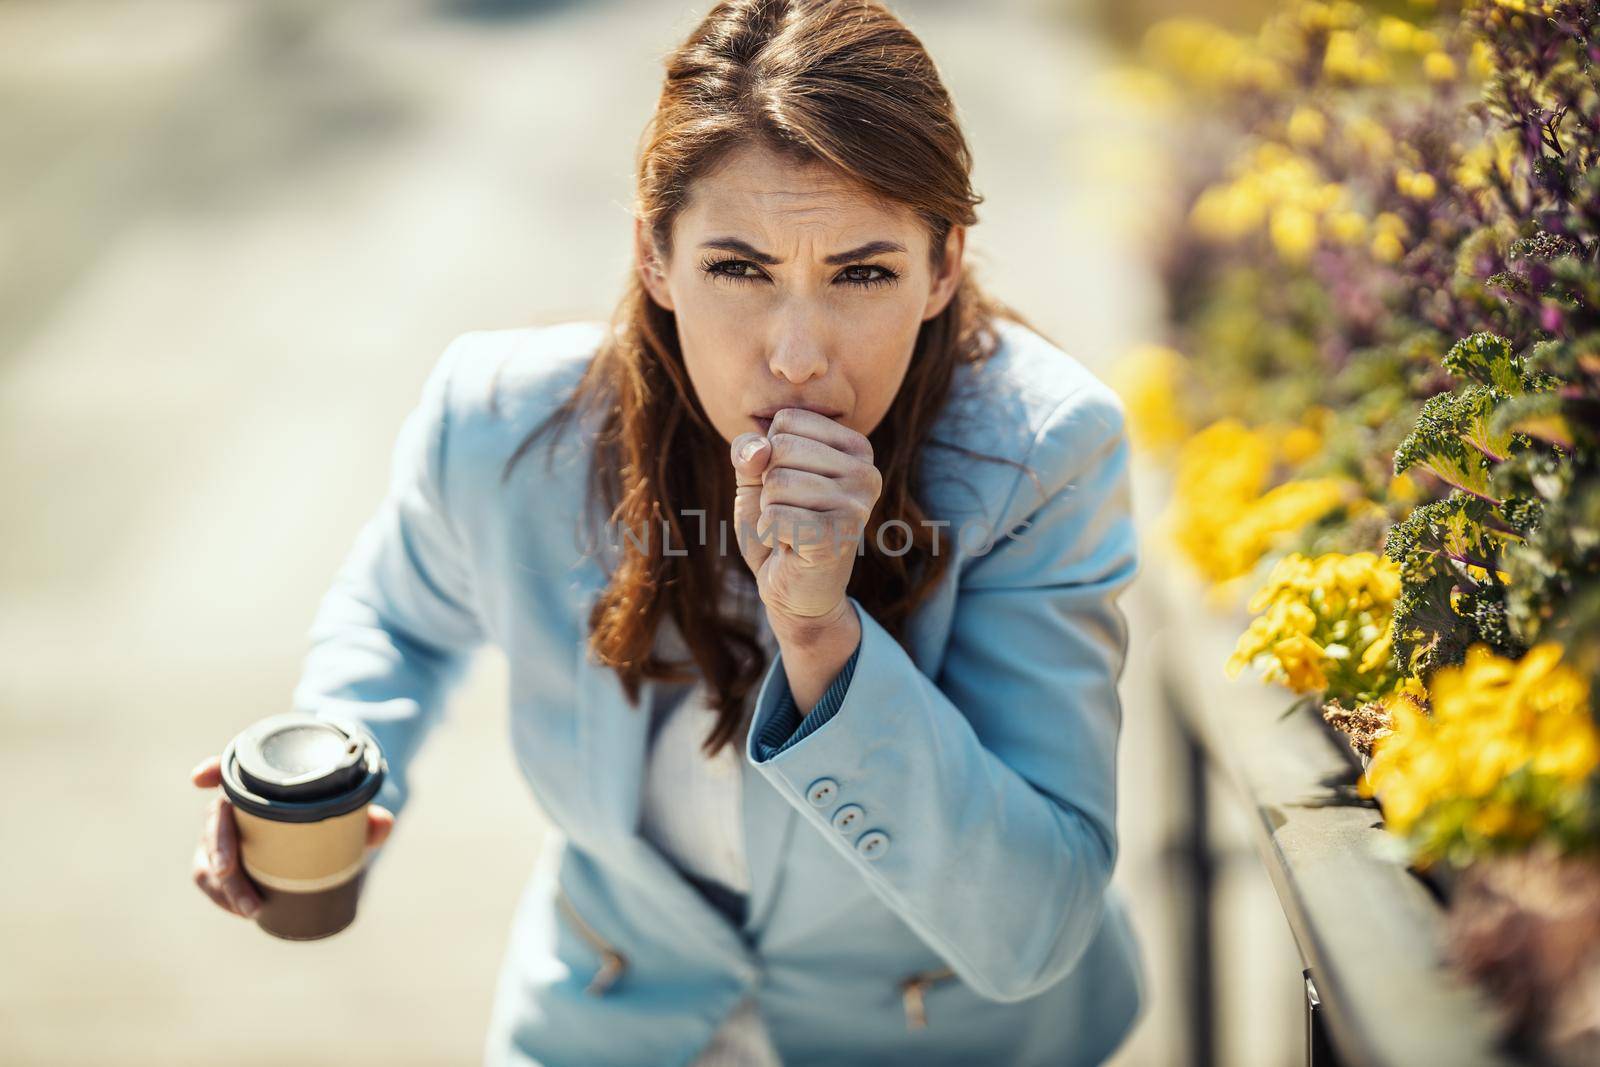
837, 82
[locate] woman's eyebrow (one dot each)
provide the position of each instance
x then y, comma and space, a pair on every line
871, 248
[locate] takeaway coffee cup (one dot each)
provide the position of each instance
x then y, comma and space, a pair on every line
300, 786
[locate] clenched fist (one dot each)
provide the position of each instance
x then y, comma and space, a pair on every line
804, 494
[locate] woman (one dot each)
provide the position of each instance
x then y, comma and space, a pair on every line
826, 707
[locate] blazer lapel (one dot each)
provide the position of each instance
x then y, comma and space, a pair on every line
768, 825
612, 738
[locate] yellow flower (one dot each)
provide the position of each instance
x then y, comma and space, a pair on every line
1265, 522
1480, 62
1494, 158
1439, 67
1347, 13
1225, 516
1300, 443
1348, 59
1388, 244
1324, 624
1389, 222
1301, 660
1294, 233
1371, 136
1496, 726
1149, 380
1343, 55
1395, 34
1377, 654
1210, 58
1275, 188
1219, 472
1307, 127
1415, 184
1403, 489
1347, 227
1314, 15
1494, 819
1228, 212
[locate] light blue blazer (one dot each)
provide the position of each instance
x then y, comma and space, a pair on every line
929, 867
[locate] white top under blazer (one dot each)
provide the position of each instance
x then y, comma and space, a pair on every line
691, 811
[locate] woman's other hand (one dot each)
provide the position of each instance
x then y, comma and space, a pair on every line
217, 870
804, 494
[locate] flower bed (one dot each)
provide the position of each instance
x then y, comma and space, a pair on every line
1379, 399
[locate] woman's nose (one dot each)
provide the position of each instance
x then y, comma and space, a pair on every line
798, 365
799, 353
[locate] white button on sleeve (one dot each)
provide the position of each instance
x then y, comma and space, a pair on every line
822, 792
873, 844
849, 817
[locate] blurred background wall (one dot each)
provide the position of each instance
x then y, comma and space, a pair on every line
233, 239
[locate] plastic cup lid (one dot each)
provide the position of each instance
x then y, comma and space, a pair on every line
297, 767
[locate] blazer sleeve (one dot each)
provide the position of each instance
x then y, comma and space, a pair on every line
981, 806
785, 728
393, 635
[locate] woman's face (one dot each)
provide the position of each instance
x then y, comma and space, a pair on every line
793, 287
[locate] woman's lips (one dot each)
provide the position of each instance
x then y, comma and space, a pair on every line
765, 421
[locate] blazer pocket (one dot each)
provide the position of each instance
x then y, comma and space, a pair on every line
612, 962
912, 990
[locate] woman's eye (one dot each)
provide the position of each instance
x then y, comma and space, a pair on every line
867, 275
738, 270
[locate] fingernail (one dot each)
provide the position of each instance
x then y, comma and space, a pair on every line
249, 907
750, 448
